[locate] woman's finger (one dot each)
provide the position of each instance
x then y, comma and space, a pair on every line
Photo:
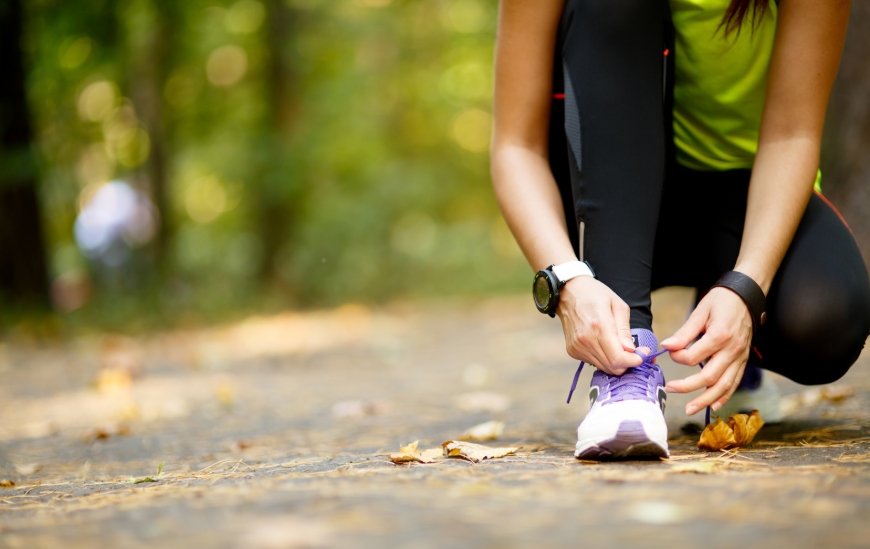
689, 331
716, 406
707, 377
711, 342
608, 339
622, 317
726, 382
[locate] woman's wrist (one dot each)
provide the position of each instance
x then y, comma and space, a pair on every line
759, 274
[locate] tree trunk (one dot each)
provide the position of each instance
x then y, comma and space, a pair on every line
23, 273
149, 55
846, 147
277, 203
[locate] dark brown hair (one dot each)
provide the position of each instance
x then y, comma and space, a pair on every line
737, 12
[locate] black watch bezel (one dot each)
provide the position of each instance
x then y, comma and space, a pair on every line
554, 284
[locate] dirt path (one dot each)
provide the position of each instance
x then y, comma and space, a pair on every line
274, 432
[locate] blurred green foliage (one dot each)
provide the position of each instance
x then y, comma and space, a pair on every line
303, 152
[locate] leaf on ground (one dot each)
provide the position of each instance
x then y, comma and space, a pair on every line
6, 483
410, 454
701, 467
474, 452
150, 479
739, 431
102, 432
28, 468
790, 404
836, 393
490, 430
745, 427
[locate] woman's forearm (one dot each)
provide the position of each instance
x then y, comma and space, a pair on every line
532, 206
781, 185
806, 54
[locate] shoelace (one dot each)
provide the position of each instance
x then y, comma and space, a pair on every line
631, 380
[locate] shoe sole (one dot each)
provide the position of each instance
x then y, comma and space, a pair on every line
630, 442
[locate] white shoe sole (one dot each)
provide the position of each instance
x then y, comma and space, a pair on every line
629, 429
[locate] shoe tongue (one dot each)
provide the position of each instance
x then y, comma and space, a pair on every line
645, 338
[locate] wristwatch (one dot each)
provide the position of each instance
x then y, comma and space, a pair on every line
545, 288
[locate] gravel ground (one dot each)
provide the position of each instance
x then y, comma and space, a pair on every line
274, 433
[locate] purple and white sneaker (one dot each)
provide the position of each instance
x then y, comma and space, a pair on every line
626, 419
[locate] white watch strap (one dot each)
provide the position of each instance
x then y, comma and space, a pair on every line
572, 269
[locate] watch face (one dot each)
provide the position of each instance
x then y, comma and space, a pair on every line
542, 292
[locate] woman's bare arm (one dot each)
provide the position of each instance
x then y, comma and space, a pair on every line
595, 320
806, 55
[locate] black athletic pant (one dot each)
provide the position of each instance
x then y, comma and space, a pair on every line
643, 222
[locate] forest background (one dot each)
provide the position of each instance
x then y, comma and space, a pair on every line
278, 154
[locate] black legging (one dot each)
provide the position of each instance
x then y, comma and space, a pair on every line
646, 222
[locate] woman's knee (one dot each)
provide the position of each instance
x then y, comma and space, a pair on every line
826, 329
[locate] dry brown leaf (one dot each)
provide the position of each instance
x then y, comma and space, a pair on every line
6, 483
490, 430
739, 431
836, 393
430, 455
113, 381
410, 454
474, 452
102, 432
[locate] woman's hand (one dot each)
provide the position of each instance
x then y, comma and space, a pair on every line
726, 325
596, 325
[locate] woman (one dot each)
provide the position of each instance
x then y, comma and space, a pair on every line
677, 143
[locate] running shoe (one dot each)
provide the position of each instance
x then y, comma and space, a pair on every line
755, 392
626, 418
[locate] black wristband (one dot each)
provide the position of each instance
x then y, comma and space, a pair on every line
750, 292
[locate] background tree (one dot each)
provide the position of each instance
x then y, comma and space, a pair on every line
846, 154
23, 275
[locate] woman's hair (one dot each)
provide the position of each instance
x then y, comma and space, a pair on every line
738, 10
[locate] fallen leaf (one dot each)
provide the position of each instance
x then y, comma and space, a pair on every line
482, 401
791, 404
490, 430
410, 454
837, 393
739, 431
225, 393
114, 381
28, 468
6, 483
241, 445
102, 432
701, 467
745, 427
474, 452
430, 455
717, 436
150, 479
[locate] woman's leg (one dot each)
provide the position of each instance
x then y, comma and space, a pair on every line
616, 133
819, 302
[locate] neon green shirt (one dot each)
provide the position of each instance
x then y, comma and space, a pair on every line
719, 85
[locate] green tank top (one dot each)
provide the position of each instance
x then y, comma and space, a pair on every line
719, 85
